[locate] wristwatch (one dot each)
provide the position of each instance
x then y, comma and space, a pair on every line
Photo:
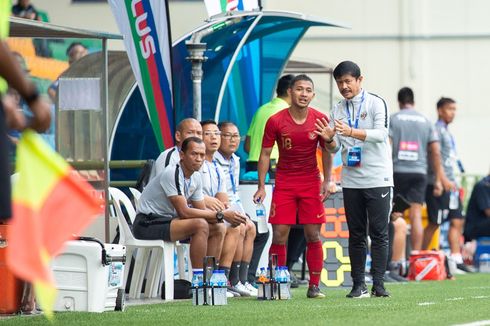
220, 216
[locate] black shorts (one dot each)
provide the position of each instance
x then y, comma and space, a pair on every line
411, 186
438, 207
151, 227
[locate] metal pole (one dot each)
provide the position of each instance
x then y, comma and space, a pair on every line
196, 57
105, 145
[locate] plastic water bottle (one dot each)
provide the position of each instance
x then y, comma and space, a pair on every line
484, 266
218, 283
454, 199
197, 290
261, 218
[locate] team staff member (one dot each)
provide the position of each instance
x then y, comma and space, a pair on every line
413, 138
359, 126
298, 190
439, 206
164, 212
188, 127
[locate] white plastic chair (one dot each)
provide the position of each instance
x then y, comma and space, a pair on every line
136, 194
150, 254
181, 248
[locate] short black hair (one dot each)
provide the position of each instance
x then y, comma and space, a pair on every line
187, 141
72, 45
301, 77
208, 122
347, 68
443, 101
283, 85
405, 96
224, 124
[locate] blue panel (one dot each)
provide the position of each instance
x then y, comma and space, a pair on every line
134, 138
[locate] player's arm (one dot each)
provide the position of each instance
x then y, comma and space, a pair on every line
262, 168
246, 146
198, 209
326, 130
441, 182
232, 217
327, 171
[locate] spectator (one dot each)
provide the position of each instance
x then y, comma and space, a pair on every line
230, 163
478, 211
359, 125
439, 205
164, 212
75, 52
24, 9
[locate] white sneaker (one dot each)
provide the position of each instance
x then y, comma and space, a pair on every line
253, 291
453, 268
240, 288
229, 294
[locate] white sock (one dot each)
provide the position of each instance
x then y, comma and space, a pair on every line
457, 258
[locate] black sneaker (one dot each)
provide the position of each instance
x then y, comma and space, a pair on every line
314, 293
379, 291
466, 268
397, 277
358, 291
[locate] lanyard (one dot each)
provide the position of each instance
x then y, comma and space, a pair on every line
356, 123
232, 177
211, 178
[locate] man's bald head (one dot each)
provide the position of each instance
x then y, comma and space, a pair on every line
188, 127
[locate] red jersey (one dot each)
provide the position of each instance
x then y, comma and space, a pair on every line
297, 142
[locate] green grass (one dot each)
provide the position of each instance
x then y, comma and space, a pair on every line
416, 303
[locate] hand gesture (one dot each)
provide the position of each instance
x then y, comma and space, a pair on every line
342, 128
323, 129
235, 218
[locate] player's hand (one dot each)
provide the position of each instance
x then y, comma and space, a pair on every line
214, 204
448, 185
259, 195
42, 115
438, 189
235, 218
325, 190
14, 117
323, 129
342, 128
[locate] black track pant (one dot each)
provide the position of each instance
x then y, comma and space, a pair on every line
363, 208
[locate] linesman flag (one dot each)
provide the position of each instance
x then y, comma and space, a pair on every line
145, 27
51, 203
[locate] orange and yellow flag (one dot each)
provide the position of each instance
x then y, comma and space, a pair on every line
50, 205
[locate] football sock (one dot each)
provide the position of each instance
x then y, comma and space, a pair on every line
314, 258
234, 272
280, 251
243, 272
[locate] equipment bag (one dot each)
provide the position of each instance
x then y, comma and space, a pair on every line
427, 265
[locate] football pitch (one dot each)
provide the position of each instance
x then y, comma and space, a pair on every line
464, 300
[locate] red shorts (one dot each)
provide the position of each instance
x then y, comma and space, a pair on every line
297, 201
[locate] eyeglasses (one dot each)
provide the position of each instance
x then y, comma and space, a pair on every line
230, 136
211, 133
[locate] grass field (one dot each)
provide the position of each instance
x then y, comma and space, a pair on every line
464, 300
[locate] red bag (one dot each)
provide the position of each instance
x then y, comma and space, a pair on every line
427, 265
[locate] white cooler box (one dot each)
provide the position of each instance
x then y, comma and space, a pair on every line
89, 276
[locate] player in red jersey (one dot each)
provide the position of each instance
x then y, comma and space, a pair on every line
299, 191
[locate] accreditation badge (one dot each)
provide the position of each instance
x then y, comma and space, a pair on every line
354, 156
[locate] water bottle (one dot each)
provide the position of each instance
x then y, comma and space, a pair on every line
218, 283
261, 217
454, 199
484, 266
197, 290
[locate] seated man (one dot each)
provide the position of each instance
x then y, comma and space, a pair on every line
164, 210
478, 213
